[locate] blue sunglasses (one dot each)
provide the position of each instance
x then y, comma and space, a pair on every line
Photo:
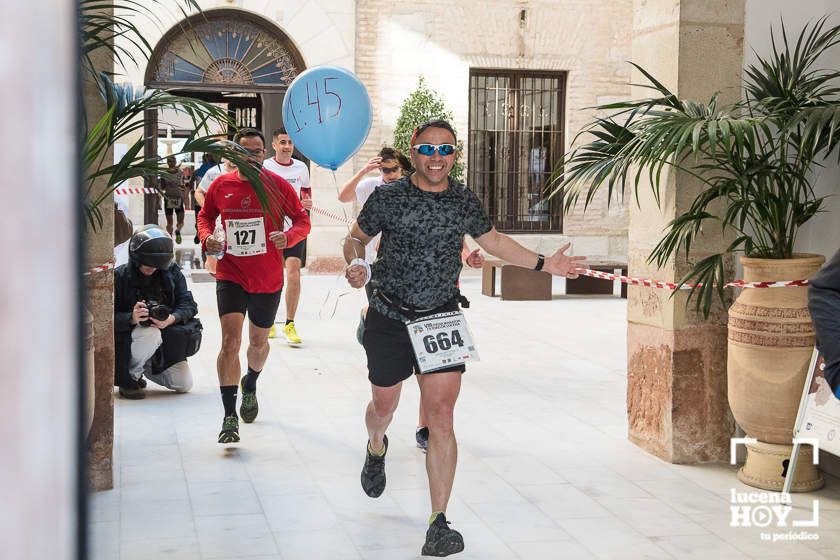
429, 149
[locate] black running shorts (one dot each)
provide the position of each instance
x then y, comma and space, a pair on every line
261, 308
388, 348
298, 251
179, 211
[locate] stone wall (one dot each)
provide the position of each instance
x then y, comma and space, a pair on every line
396, 43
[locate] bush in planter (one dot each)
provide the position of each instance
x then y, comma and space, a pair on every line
421, 105
755, 157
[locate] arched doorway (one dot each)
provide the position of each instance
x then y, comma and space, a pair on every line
225, 56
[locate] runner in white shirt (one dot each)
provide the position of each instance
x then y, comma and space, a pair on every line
391, 165
297, 174
200, 191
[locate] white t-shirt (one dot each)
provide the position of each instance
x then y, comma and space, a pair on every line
121, 250
209, 176
296, 173
364, 189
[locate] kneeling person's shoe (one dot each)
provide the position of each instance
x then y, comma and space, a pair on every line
134, 392
373, 473
230, 430
441, 540
249, 408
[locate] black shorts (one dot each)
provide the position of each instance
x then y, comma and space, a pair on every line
261, 308
390, 356
298, 251
170, 211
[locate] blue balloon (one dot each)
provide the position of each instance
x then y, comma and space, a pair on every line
327, 114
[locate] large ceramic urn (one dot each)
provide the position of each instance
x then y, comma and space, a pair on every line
771, 339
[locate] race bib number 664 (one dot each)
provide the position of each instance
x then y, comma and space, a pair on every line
441, 340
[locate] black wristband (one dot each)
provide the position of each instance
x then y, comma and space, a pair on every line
540, 262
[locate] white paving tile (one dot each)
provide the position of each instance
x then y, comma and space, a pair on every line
545, 469
226, 536
325, 543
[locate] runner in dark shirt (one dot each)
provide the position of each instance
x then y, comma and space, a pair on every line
423, 221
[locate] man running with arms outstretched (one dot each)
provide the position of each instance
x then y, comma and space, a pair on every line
249, 277
423, 219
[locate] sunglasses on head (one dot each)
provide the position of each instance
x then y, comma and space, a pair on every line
429, 149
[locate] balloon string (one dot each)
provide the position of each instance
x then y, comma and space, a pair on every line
326, 308
347, 220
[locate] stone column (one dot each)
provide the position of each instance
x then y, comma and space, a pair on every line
100, 249
676, 361
39, 296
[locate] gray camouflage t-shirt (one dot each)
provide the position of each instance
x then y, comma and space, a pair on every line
422, 233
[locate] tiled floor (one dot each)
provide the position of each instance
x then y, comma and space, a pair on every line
545, 470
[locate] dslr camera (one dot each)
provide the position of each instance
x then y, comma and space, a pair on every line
157, 311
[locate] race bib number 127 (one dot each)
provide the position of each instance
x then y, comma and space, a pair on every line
245, 238
441, 340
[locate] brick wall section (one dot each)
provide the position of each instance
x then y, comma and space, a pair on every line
590, 39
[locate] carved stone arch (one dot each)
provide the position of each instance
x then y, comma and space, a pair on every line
224, 50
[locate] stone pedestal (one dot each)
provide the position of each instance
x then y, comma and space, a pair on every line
676, 387
767, 463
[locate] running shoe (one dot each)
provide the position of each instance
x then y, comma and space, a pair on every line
133, 392
373, 473
230, 430
291, 334
422, 437
249, 408
441, 540
178, 236
272, 332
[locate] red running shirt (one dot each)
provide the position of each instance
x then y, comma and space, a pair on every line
259, 266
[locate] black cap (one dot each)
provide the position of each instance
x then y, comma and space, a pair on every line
151, 246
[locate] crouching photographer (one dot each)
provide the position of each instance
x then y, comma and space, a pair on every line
155, 328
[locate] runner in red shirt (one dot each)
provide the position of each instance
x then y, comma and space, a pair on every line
249, 279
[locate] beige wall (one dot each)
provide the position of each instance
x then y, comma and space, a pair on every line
40, 292
396, 42
822, 234
390, 44
324, 33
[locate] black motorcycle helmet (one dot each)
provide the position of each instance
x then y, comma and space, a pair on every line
151, 246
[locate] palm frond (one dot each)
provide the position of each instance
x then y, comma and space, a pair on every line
755, 158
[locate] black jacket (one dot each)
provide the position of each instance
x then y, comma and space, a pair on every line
171, 288
824, 305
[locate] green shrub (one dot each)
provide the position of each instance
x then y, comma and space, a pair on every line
421, 105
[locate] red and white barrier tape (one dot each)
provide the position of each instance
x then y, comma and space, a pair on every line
332, 215
136, 190
629, 279
585, 272
672, 286
101, 268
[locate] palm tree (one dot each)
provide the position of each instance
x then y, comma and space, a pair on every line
125, 106
755, 157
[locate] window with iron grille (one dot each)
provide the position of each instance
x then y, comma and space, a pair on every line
515, 139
